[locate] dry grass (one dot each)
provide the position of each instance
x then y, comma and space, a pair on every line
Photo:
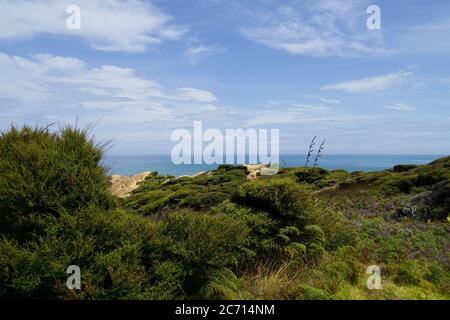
272, 282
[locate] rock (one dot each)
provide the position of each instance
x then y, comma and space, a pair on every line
122, 186
254, 170
429, 204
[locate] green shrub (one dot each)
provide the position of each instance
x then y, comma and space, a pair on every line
165, 200
409, 273
429, 178
283, 199
340, 270
277, 213
315, 239
404, 185
106, 245
311, 175
223, 285
261, 239
202, 244
167, 279
404, 167
43, 173
271, 235
229, 167
159, 194
306, 292
140, 201
439, 277
203, 201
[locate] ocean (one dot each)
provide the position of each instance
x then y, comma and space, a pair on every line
131, 165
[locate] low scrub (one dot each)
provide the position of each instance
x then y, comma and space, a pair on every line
306, 234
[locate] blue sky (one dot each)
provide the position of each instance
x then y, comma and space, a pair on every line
141, 69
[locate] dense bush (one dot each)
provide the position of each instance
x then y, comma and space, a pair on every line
404, 185
278, 214
311, 175
315, 238
159, 194
165, 200
429, 178
200, 245
262, 235
106, 245
282, 199
409, 273
214, 236
44, 173
404, 167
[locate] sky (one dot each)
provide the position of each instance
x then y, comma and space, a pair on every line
135, 71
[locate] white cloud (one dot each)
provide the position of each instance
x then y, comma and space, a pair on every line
401, 106
113, 25
332, 101
196, 95
136, 112
318, 28
43, 77
44, 80
197, 51
372, 84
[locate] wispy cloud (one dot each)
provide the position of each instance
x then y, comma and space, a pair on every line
44, 80
401, 106
196, 95
332, 101
372, 84
198, 51
139, 113
318, 28
113, 25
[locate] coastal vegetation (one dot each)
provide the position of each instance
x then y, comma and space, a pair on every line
304, 233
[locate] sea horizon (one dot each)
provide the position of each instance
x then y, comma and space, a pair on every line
129, 165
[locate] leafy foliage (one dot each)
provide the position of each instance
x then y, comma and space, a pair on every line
301, 234
47, 173
201, 245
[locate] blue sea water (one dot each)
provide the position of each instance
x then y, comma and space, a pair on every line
131, 165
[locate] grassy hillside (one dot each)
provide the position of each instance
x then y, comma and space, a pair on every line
301, 234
